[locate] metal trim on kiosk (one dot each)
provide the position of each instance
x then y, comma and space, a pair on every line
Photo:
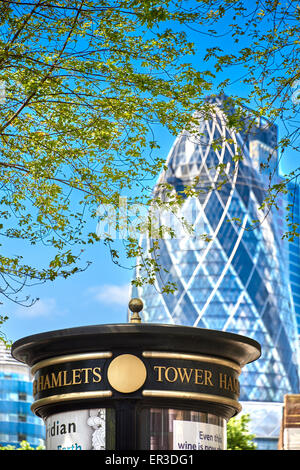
133, 366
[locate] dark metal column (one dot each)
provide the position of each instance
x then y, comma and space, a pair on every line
126, 425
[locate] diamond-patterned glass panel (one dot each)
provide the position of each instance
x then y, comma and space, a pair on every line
237, 282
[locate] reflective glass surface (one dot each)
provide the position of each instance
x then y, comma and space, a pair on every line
293, 248
17, 421
240, 280
186, 430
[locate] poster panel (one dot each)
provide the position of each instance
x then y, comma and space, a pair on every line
76, 430
191, 435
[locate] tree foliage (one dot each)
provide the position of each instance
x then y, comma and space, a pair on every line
86, 84
24, 445
263, 41
238, 435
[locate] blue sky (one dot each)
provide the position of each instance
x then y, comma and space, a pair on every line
99, 294
96, 296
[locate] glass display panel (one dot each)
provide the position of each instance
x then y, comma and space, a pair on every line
173, 429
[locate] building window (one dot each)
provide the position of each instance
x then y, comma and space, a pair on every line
22, 396
169, 429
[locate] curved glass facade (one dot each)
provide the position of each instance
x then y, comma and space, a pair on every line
293, 249
238, 281
17, 421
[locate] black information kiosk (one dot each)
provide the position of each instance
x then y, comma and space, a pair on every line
136, 386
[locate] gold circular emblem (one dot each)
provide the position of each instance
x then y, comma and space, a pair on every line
126, 373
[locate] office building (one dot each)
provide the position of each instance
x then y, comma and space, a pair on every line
17, 422
293, 247
231, 272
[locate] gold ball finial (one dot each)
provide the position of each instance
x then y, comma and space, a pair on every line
135, 305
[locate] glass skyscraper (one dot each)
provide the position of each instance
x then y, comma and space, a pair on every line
239, 280
17, 421
293, 248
